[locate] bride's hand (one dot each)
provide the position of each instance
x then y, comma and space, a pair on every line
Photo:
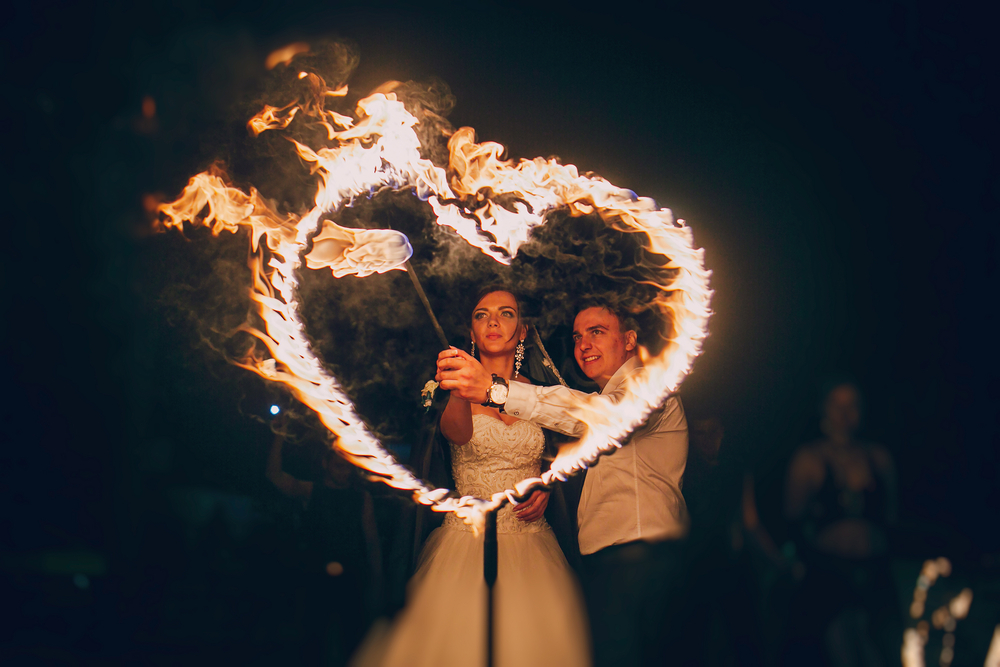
533, 508
463, 375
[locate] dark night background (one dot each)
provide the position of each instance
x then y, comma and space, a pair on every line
837, 164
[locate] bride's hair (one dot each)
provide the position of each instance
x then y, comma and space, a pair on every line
499, 287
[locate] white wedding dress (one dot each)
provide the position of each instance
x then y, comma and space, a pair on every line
540, 615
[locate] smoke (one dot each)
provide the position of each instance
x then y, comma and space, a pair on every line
373, 333
430, 101
266, 161
573, 260
377, 338
205, 290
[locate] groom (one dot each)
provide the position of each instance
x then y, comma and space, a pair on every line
632, 515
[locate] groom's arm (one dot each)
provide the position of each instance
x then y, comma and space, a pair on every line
555, 408
549, 407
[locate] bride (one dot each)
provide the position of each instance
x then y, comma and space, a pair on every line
540, 617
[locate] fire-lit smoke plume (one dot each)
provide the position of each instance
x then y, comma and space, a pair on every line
491, 203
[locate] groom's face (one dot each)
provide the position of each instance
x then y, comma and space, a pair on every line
600, 346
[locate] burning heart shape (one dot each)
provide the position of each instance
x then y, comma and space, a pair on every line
381, 150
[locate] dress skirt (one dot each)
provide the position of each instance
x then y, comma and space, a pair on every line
540, 615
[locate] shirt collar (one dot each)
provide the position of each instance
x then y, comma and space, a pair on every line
630, 365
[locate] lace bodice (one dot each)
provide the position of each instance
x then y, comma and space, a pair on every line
496, 458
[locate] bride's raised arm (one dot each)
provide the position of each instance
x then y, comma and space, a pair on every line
456, 421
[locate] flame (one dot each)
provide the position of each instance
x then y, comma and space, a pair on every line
380, 149
314, 105
358, 252
272, 118
285, 54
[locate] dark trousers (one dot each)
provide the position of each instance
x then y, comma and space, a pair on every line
633, 596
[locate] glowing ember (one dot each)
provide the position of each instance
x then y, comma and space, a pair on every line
380, 149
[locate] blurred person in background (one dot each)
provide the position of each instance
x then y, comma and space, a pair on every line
840, 501
736, 574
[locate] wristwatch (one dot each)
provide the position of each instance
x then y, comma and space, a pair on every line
496, 395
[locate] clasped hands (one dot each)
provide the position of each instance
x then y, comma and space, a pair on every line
463, 375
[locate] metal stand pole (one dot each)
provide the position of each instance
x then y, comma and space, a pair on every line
490, 574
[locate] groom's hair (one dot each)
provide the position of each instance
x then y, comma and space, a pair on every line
626, 321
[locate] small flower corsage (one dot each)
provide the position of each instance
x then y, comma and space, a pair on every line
427, 394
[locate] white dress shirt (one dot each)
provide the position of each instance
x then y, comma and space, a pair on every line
633, 493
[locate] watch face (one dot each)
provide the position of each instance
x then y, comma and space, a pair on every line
498, 394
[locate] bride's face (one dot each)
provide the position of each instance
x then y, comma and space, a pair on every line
496, 324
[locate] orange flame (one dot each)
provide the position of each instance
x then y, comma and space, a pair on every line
271, 118
380, 149
285, 54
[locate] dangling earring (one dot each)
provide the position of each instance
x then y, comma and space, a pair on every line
473, 352
518, 358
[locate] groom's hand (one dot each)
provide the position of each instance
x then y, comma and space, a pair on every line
463, 376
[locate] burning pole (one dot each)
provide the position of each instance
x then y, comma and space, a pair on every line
427, 304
